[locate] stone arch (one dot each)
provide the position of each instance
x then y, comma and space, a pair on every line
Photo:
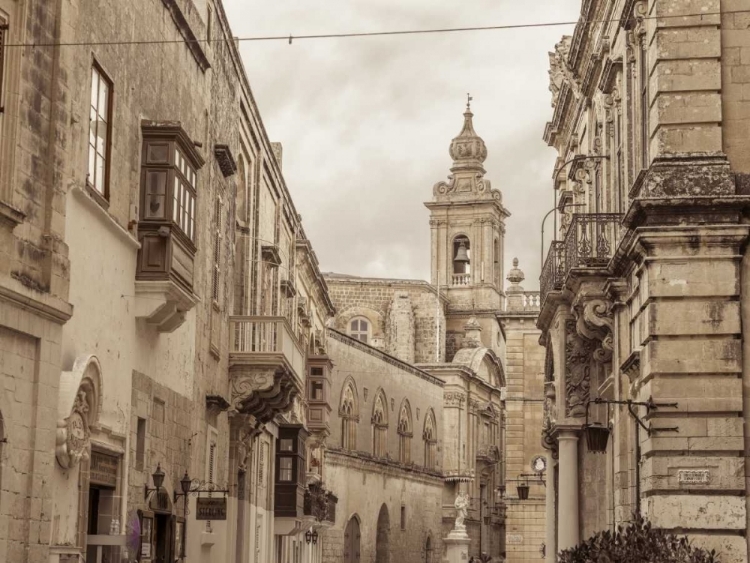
376, 319
484, 362
429, 436
405, 431
352, 539
383, 536
349, 414
380, 424
429, 549
460, 239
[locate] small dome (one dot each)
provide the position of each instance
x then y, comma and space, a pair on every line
516, 275
468, 149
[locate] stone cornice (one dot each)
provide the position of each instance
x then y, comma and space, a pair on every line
354, 343
332, 279
43, 305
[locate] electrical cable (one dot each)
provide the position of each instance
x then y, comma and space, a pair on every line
290, 38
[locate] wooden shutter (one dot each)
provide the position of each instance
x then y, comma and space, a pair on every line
217, 251
3, 35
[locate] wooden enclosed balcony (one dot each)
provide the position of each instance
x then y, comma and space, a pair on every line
266, 365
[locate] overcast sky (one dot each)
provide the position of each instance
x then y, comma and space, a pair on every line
366, 122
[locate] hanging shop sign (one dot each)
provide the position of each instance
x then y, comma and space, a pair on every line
211, 508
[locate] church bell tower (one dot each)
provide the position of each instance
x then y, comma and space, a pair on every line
467, 223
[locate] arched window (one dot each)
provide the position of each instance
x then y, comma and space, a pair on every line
429, 435
404, 433
428, 551
349, 414
359, 328
380, 425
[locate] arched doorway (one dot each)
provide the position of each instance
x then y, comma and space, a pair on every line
428, 550
382, 540
351, 541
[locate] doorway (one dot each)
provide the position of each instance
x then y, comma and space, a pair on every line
382, 540
351, 541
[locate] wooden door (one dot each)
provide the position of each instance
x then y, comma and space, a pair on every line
351, 541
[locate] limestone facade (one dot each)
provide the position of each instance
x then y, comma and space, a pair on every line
161, 307
384, 457
456, 329
643, 295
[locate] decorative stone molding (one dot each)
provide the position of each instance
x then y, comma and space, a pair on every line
595, 322
80, 387
578, 354
452, 399
225, 160
263, 393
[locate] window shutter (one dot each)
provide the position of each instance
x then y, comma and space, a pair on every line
3, 34
217, 250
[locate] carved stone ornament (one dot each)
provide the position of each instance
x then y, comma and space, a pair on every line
452, 399
73, 434
80, 386
464, 184
263, 393
595, 322
578, 354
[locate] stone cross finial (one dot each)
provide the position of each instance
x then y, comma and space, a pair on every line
468, 102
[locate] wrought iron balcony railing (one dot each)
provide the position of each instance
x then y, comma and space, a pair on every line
590, 242
553, 271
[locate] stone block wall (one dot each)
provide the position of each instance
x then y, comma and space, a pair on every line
525, 530
376, 300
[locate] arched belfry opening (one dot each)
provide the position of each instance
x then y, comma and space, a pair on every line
461, 255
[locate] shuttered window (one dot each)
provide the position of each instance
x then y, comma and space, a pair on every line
99, 130
216, 275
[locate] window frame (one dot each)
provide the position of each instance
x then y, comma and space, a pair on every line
103, 195
359, 333
4, 32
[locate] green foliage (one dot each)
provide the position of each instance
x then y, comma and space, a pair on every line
637, 542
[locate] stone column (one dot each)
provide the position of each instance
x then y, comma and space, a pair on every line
551, 539
567, 519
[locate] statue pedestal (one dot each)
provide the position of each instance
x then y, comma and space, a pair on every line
457, 547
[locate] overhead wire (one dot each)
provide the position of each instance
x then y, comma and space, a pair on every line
290, 38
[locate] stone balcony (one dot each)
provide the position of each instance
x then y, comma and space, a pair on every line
266, 365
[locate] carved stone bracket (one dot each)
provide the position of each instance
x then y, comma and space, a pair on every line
578, 354
595, 322
263, 393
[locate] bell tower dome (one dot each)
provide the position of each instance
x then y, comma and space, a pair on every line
467, 222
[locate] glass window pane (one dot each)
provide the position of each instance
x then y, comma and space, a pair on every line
286, 445
355, 325
94, 87
101, 138
99, 181
92, 164
103, 99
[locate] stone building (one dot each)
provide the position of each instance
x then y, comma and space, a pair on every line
161, 307
454, 330
643, 294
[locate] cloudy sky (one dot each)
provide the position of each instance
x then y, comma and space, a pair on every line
366, 122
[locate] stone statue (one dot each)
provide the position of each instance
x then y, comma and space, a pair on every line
462, 510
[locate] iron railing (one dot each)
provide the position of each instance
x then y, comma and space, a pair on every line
591, 239
553, 271
590, 242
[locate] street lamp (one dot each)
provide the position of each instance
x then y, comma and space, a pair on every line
311, 537
158, 478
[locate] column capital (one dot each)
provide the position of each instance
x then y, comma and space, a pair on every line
566, 432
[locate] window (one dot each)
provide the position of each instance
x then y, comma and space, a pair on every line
3, 34
461, 260
140, 444
216, 278
285, 469
430, 440
99, 130
380, 426
183, 207
360, 329
286, 445
348, 411
317, 391
404, 433
644, 105
403, 517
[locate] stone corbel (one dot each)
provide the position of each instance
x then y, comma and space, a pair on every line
578, 354
595, 322
263, 393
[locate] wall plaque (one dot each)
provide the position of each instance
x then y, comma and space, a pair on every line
694, 476
514, 539
211, 508
103, 469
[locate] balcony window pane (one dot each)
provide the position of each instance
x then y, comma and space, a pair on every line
285, 469
286, 445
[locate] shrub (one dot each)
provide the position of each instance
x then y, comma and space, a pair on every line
638, 542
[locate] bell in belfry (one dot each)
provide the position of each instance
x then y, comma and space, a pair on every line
462, 255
